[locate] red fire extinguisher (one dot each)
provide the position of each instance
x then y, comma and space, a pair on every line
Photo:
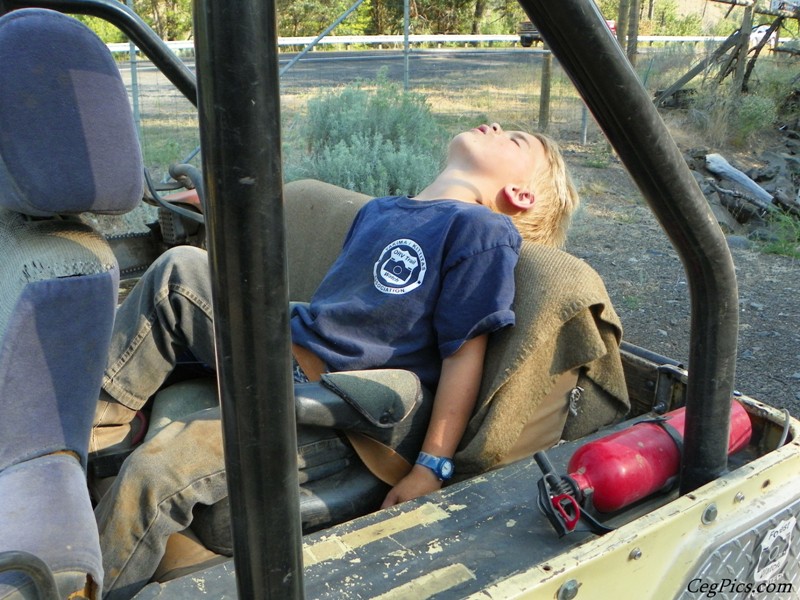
615, 471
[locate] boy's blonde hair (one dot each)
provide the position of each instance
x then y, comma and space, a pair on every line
555, 199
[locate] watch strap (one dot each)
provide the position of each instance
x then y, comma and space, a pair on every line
442, 467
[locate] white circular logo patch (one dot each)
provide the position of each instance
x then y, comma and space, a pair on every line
400, 268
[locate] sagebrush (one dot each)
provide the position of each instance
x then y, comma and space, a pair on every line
372, 137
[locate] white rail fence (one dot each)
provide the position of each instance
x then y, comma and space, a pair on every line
442, 40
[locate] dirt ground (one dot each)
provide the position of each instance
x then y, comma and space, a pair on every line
619, 236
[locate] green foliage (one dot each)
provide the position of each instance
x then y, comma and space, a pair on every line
310, 18
105, 30
632, 302
374, 165
786, 231
773, 80
170, 19
501, 17
753, 114
608, 8
451, 16
724, 116
599, 157
378, 140
667, 20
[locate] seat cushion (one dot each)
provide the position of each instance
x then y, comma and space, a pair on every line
344, 495
47, 512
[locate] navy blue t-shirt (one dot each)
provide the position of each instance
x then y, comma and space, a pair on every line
414, 281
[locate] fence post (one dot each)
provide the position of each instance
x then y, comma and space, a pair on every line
544, 94
137, 117
584, 124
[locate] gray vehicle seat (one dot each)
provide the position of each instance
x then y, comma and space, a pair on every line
565, 344
67, 146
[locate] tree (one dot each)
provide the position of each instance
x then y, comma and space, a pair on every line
105, 30
170, 19
444, 16
480, 9
633, 31
623, 15
311, 17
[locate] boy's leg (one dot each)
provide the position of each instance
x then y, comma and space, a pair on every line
166, 313
153, 497
163, 479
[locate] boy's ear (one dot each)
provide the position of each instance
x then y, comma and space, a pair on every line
518, 197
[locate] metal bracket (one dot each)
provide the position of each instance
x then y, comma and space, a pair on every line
670, 389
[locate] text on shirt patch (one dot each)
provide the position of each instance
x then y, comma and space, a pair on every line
400, 268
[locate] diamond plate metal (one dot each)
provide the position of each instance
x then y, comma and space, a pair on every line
765, 555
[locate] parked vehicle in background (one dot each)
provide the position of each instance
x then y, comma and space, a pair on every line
529, 35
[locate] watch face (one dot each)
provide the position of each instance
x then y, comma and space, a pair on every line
446, 469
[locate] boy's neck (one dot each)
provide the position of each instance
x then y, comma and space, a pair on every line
451, 186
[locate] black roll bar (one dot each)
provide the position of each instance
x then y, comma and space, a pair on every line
240, 134
131, 25
585, 48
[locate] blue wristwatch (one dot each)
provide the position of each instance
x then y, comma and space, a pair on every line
442, 467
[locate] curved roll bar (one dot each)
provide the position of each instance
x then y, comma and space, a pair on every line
582, 43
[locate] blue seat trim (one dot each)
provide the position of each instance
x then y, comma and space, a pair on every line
52, 359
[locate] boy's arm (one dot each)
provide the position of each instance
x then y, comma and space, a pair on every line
455, 399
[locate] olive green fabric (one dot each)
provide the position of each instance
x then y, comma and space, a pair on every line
318, 216
564, 320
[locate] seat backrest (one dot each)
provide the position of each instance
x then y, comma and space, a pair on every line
68, 145
564, 322
318, 216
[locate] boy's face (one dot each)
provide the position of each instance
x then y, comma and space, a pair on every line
500, 163
505, 158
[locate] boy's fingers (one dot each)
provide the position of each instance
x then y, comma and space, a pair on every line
390, 500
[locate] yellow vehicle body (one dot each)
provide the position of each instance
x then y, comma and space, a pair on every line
736, 536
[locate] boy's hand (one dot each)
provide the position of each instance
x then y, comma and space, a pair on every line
420, 481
